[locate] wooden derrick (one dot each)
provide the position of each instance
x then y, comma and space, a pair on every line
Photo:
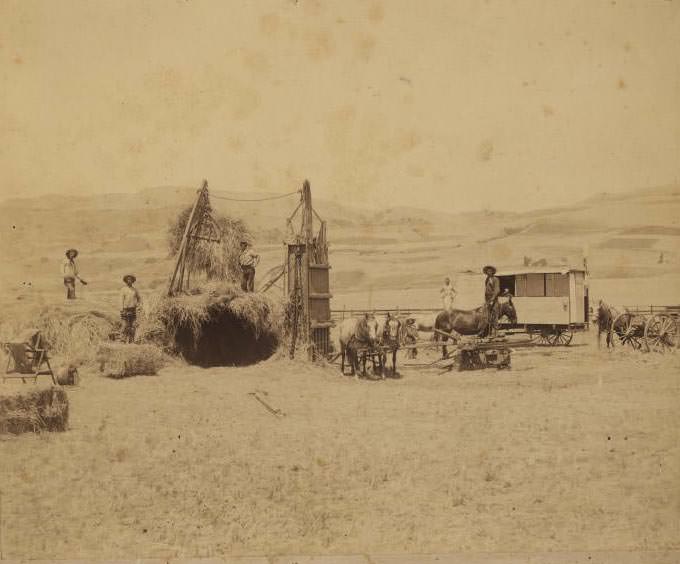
307, 280
201, 226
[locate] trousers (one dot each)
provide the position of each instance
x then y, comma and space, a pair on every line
70, 284
129, 317
248, 278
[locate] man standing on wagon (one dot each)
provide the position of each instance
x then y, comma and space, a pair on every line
248, 261
69, 270
448, 294
492, 289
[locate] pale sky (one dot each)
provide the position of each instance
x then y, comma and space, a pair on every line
451, 105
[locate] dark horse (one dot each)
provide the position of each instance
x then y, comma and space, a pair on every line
623, 324
605, 321
470, 322
390, 331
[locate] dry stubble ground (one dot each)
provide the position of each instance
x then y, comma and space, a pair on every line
571, 449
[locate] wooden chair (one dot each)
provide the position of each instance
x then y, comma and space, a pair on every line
27, 358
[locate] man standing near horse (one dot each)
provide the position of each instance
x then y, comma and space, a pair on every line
448, 294
492, 289
248, 260
69, 270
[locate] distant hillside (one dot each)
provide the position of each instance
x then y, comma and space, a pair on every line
624, 235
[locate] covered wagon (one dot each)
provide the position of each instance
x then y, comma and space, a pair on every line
551, 302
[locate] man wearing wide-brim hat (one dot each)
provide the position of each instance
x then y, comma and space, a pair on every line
130, 300
492, 289
69, 270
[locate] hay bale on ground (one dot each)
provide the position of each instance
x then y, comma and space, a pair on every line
120, 360
34, 409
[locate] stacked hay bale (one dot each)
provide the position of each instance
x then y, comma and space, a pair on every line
34, 409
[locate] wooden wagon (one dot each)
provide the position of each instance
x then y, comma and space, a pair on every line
653, 329
551, 303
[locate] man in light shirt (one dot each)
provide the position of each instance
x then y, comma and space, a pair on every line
248, 261
69, 270
129, 302
448, 294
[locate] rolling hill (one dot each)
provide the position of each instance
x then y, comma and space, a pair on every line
624, 236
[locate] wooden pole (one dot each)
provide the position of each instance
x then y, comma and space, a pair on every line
307, 216
182, 247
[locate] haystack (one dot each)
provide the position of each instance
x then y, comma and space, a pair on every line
212, 261
120, 360
33, 409
219, 325
71, 332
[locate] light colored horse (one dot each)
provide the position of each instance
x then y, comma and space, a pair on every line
356, 333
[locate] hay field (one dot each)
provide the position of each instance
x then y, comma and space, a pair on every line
571, 449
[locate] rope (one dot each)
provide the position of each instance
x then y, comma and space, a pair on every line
255, 199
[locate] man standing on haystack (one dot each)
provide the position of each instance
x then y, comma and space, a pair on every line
492, 289
130, 300
248, 260
69, 270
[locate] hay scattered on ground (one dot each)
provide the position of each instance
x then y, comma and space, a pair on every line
34, 409
120, 360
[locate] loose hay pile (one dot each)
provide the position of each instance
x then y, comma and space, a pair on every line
71, 333
120, 360
222, 326
34, 409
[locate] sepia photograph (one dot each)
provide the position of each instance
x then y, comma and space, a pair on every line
340, 281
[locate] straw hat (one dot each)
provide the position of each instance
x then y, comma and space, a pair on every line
489, 267
68, 251
132, 276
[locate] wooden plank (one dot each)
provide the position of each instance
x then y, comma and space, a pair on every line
577, 297
556, 284
535, 285
542, 311
521, 285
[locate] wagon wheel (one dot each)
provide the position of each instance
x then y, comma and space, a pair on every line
561, 336
661, 333
629, 330
541, 336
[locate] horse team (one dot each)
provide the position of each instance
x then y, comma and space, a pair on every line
371, 337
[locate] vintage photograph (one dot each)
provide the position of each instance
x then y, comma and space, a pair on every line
340, 281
